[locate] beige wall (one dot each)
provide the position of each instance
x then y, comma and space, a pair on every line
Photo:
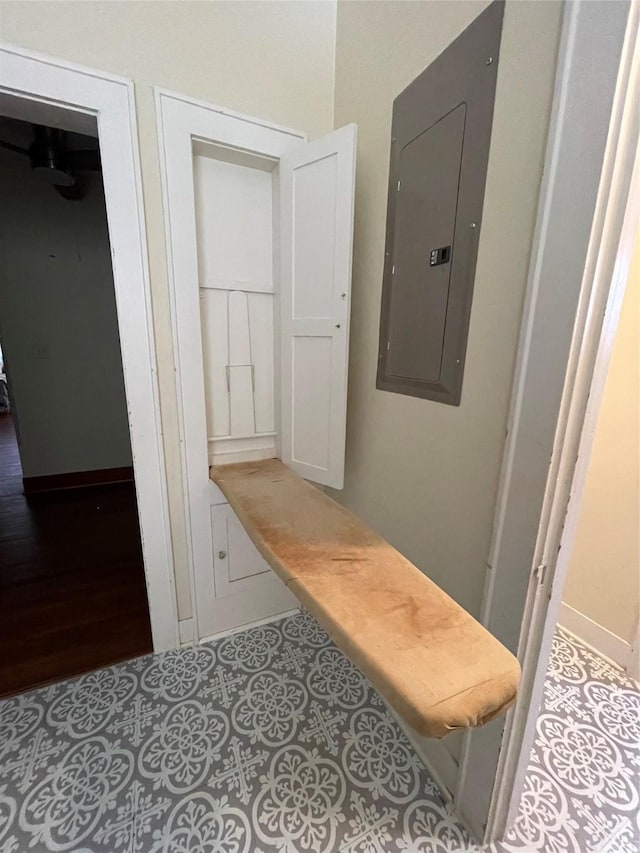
604, 572
422, 473
269, 59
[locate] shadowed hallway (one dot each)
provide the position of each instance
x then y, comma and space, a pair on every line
72, 588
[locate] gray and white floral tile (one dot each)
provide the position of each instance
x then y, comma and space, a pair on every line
270, 740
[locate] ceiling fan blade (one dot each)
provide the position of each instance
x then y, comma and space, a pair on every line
10, 147
84, 161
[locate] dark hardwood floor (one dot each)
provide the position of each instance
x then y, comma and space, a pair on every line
72, 587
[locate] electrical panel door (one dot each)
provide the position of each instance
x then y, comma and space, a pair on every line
441, 131
428, 172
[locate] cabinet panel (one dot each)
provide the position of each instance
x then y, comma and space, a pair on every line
234, 209
317, 191
311, 403
236, 558
314, 194
241, 587
238, 356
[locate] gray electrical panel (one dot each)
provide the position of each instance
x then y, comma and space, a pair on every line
441, 132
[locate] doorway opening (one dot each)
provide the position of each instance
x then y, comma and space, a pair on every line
73, 594
601, 594
585, 753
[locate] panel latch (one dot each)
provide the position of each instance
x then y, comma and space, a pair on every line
439, 256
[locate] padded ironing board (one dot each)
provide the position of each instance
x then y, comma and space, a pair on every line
432, 661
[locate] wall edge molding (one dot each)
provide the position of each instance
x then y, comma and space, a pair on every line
596, 636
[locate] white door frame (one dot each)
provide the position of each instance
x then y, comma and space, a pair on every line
615, 226
180, 120
564, 352
53, 83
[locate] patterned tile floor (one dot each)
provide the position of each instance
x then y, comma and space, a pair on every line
269, 740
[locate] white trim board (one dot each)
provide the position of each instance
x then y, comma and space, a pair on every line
251, 121
256, 623
187, 636
43, 81
597, 637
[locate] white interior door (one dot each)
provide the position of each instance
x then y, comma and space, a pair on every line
317, 187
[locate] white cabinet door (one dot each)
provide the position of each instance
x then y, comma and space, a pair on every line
242, 587
237, 561
317, 185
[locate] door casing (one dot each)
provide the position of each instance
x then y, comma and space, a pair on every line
53, 87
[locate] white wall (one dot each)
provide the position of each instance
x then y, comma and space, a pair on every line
59, 325
269, 59
603, 584
422, 473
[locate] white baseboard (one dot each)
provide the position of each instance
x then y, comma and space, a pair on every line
600, 639
255, 624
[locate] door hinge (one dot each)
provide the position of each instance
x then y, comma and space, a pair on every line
540, 573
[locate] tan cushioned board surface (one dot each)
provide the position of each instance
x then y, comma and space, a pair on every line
432, 661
